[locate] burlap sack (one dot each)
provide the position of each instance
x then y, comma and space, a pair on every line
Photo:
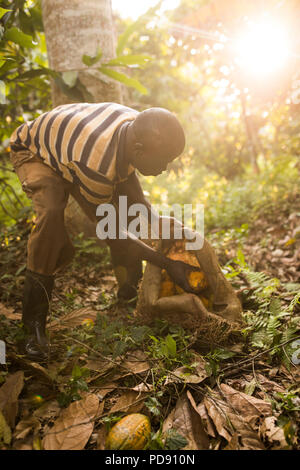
217, 325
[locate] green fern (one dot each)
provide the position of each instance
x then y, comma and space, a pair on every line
269, 322
294, 302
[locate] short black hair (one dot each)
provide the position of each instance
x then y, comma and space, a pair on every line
158, 125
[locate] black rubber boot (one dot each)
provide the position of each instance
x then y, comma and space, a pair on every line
128, 282
127, 292
36, 300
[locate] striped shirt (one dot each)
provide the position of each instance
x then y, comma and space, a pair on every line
83, 142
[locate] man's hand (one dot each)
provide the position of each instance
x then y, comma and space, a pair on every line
179, 272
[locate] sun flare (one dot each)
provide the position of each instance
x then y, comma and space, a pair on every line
263, 49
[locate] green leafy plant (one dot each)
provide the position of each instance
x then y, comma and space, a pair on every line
287, 402
163, 347
110, 420
215, 358
114, 338
169, 440
153, 404
75, 384
289, 428
174, 440
170, 349
124, 60
270, 323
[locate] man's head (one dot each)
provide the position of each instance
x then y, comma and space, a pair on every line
153, 140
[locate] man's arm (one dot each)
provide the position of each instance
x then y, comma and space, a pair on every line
178, 270
133, 190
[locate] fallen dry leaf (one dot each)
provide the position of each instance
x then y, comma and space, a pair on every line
184, 374
22, 446
143, 387
101, 438
129, 402
233, 444
48, 410
273, 434
34, 367
264, 383
229, 422
74, 426
194, 374
9, 393
26, 426
8, 312
207, 422
202, 437
186, 421
247, 406
105, 389
216, 410
135, 363
249, 440
74, 318
101, 368
100, 409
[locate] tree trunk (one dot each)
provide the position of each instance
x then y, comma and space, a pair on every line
74, 28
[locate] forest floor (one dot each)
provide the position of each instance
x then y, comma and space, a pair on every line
104, 365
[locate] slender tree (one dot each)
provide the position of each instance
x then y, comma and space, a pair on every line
74, 28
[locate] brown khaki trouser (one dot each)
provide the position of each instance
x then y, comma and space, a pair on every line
49, 247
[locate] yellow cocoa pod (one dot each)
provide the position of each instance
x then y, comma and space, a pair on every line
167, 288
178, 289
197, 280
130, 433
